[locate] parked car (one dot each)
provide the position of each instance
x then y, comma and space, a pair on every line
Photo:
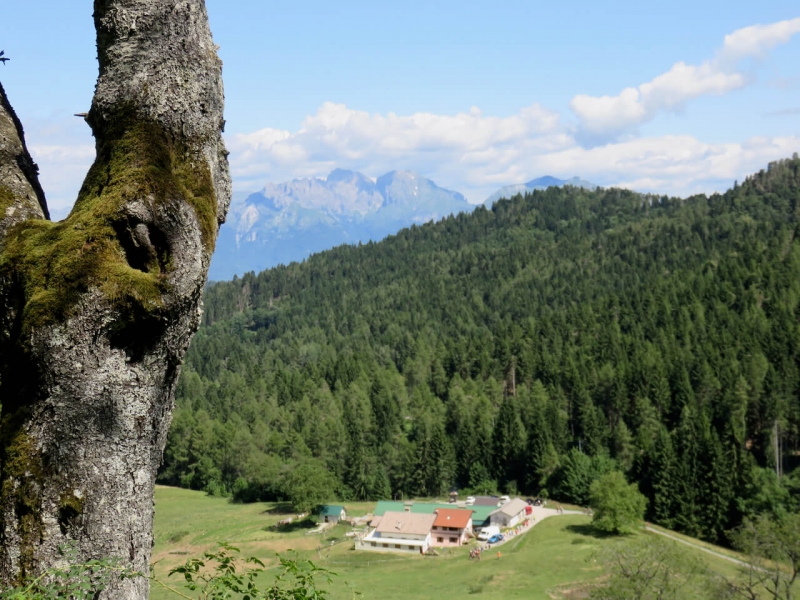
488, 532
537, 502
503, 500
496, 538
470, 500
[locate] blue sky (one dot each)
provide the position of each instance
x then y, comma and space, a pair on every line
672, 97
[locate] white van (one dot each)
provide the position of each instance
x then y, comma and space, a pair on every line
488, 532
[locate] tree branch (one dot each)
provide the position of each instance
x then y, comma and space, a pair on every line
21, 196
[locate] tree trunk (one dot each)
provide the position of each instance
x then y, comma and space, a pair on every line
97, 311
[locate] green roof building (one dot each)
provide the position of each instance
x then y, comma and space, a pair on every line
331, 513
480, 514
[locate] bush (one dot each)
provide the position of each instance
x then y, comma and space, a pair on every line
647, 567
618, 506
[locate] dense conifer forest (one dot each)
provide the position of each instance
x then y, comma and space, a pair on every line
528, 348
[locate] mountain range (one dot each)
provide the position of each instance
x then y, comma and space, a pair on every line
541, 183
289, 221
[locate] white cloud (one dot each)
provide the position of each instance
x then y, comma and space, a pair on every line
476, 154
337, 136
63, 168
757, 40
677, 165
609, 113
605, 117
469, 152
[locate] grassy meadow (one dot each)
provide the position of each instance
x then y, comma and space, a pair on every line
553, 560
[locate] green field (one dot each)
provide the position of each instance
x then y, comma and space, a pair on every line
553, 560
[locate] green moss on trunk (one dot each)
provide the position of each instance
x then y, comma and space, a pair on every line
6, 199
20, 493
56, 263
70, 507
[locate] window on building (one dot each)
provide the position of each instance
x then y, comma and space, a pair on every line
385, 545
440, 540
374, 544
453, 540
398, 546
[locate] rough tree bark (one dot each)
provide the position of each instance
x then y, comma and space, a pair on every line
96, 311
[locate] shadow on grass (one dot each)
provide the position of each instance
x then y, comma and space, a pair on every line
280, 508
590, 531
295, 526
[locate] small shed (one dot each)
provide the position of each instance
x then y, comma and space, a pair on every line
331, 513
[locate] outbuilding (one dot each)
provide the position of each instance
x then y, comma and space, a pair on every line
508, 515
331, 513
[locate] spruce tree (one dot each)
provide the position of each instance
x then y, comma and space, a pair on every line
508, 444
439, 462
622, 446
381, 488
716, 481
541, 458
688, 442
591, 426
662, 475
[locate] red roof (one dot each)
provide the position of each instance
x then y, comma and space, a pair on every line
452, 517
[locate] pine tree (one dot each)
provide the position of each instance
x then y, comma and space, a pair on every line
688, 438
420, 475
508, 444
622, 446
716, 480
590, 420
662, 474
439, 462
381, 488
739, 410
358, 477
538, 441
660, 394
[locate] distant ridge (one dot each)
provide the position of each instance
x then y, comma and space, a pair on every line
537, 184
287, 222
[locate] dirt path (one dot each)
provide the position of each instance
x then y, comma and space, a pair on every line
736, 561
541, 513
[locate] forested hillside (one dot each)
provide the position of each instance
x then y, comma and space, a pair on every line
530, 347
